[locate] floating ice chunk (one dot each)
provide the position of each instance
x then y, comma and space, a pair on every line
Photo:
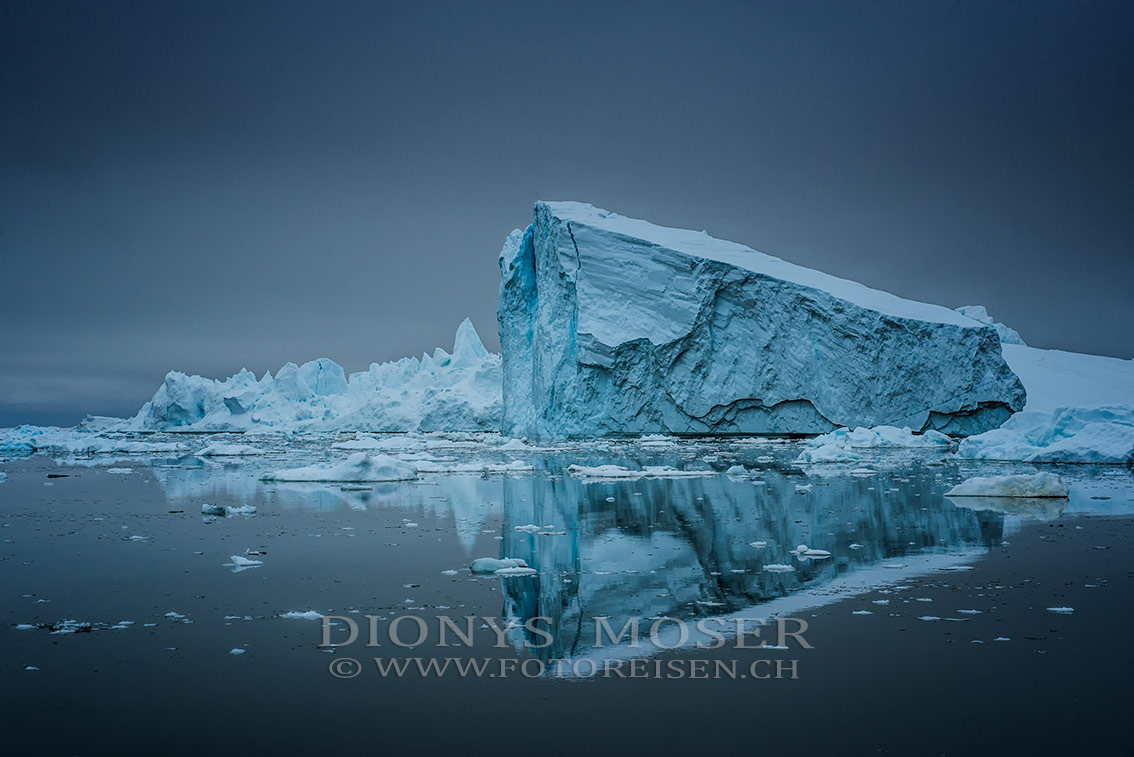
492, 564
737, 470
779, 568
237, 650
225, 511
845, 445
121, 471
24, 627
1022, 485
302, 615
512, 572
531, 528
219, 449
240, 562
862, 612
758, 544
358, 467
803, 488
929, 618
1061, 610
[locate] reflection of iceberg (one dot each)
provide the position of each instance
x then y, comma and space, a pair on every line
1035, 508
682, 548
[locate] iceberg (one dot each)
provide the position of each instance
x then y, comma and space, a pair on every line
1022, 485
460, 391
612, 326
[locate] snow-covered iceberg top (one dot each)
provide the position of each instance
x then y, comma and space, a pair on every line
439, 392
611, 325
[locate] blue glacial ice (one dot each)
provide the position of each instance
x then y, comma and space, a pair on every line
438, 392
611, 325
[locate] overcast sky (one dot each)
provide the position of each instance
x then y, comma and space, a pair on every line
211, 185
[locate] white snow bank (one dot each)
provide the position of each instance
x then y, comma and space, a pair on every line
1023, 485
845, 445
1055, 379
442, 391
1067, 435
358, 467
220, 449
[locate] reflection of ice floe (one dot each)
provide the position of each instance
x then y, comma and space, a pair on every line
1034, 508
600, 472
221, 449
358, 467
1019, 485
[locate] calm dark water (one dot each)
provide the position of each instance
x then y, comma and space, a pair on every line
928, 624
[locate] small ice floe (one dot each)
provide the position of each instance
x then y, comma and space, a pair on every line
1061, 610
803, 488
237, 650
3, 477
779, 568
758, 544
240, 563
492, 564
64, 627
220, 449
881, 602
804, 552
448, 572
24, 627
956, 568
174, 615
121, 625
227, 511
530, 528
1021, 485
122, 471
737, 471
856, 545
1003, 638
610, 499
863, 472
518, 571
302, 615
970, 612
929, 618
765, 459
139, 537
862, 612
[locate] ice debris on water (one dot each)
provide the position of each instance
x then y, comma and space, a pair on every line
358, 467
492, 564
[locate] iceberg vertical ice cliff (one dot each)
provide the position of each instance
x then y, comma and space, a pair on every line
439, 392
611, 325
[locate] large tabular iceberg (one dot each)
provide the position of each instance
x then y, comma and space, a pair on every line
439, 392
615, 326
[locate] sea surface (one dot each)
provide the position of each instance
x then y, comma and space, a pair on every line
343, 617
